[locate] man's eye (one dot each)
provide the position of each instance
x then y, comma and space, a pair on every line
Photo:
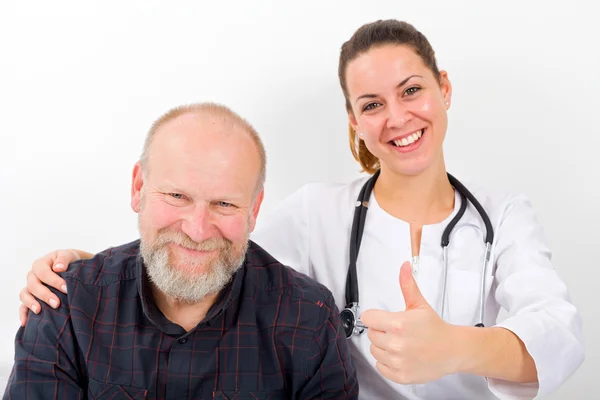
178, 196
224, 204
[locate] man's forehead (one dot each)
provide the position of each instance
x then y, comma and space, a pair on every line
191, 151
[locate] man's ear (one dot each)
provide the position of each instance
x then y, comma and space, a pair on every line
137, 182
256, 208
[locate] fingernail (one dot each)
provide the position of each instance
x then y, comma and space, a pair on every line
34, 309
53, 303
64, 288
59, 266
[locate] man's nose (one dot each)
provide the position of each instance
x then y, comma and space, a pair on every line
198, 223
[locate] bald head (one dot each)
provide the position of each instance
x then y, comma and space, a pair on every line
209, 129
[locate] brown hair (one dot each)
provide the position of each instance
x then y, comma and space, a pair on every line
368, 36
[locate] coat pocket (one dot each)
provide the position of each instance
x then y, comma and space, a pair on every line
99, 390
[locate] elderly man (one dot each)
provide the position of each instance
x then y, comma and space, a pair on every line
193, 309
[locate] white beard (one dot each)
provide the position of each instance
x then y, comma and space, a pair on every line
185, 284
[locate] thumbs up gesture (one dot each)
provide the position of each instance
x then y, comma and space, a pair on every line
415, 345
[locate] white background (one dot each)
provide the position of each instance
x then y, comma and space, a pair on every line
81, 82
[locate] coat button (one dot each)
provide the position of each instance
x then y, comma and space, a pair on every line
183, 341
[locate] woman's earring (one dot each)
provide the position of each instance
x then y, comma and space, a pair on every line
360, 135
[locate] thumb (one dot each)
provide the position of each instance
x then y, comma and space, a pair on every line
410, 291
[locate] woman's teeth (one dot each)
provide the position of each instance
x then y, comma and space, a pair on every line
405, 141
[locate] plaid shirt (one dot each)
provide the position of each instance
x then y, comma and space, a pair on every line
273, 334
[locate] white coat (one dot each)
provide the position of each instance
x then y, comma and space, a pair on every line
310, 232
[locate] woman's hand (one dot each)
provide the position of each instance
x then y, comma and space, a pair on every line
44, 270
415, 345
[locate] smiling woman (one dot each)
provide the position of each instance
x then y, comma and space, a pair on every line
397, 101
397, 104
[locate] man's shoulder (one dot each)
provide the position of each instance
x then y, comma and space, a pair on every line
271, 277
106, 267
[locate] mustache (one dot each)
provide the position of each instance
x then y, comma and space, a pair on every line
211, 244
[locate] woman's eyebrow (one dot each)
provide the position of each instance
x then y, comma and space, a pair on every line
370, 96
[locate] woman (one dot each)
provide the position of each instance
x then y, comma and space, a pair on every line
421, 342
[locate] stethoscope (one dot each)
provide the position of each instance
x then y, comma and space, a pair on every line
349, 316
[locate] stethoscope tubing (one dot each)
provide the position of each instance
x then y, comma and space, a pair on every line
361, 207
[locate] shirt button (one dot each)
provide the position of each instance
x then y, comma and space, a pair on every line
183, 341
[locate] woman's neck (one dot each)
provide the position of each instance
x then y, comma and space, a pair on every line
423, 199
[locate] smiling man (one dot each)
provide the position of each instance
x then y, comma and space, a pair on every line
192, 309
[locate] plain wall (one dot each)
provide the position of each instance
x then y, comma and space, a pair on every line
81, 82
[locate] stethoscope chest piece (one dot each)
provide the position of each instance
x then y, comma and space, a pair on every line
350, 321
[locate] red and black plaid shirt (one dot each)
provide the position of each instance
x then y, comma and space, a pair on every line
273, 334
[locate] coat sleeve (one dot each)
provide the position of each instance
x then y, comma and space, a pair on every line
47, 358
536, 299
284, 232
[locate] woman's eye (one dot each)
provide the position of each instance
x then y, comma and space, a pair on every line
370, 106
411, 90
